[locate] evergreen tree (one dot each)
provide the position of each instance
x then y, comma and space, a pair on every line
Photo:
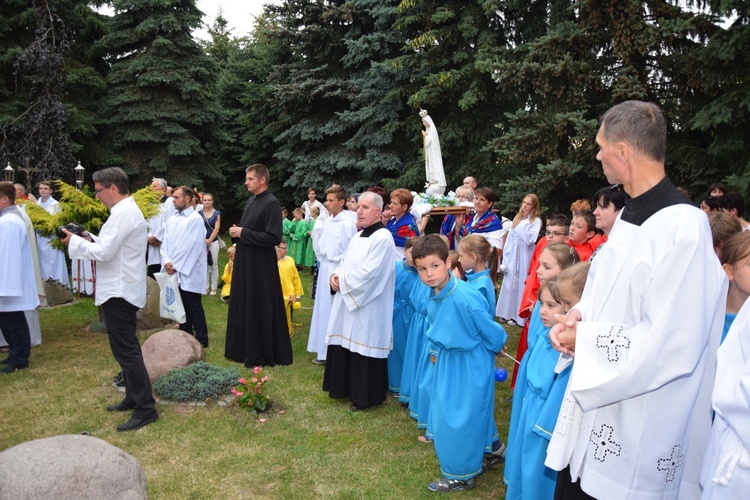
337, 103
160, 105
723, 74
33, 118
591, 55
246, 99
446, 44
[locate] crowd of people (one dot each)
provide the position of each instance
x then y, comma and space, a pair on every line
632, 374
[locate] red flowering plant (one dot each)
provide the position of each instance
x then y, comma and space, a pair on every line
250, 393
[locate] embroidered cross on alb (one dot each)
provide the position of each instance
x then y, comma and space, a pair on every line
565, 418
671, 464
612, 342
604, 443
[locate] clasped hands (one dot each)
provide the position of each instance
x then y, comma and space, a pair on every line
563, 334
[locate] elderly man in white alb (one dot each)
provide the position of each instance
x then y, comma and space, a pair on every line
120, 253
360, 330
183, 251
636, 415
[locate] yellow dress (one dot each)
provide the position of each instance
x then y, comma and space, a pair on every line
290, 285
227, 279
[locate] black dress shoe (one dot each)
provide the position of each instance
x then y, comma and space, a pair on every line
121, 406
12, 369
137, 422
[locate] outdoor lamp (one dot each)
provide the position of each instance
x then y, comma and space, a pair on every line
10, 173
79, 170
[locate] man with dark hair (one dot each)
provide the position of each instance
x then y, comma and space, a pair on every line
609, 201
120, 252
17, 287
734, 205
636, 415
360, 328
183, 251
257, 333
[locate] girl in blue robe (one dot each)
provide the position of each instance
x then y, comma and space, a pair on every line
539, 391
479, 260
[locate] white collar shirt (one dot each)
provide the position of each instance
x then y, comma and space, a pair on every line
119, 252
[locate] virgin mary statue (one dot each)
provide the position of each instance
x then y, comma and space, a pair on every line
433, 159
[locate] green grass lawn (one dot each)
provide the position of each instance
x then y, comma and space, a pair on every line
315, 448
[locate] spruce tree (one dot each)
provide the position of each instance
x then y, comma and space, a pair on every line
722, 73
161, 108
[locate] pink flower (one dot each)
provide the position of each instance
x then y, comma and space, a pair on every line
264, 379
262, 420
234, 391
282, 412
260, 390
239, 393
256, 370
254, 380
243, 381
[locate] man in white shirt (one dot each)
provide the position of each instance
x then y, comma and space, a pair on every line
183, 251
120, 252
17, 287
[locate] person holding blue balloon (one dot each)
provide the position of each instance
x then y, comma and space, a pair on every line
537, 385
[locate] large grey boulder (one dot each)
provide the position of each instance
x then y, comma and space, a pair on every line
148, 316
169, 349
70, 466
57, 293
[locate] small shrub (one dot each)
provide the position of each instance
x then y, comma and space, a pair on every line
196, 382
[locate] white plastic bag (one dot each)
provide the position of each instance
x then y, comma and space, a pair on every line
170, 302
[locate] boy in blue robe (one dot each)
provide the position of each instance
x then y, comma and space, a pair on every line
463, 334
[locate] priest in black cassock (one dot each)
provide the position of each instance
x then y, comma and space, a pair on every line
257, 332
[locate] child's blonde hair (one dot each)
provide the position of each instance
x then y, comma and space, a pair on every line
445, 240
576, 275
479, 246
736, 248
314, 212
232, 249
551, 286
535, 210
564, 254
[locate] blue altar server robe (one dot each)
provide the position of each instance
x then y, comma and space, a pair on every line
418, 297
403, 311
536, 403
461, 412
